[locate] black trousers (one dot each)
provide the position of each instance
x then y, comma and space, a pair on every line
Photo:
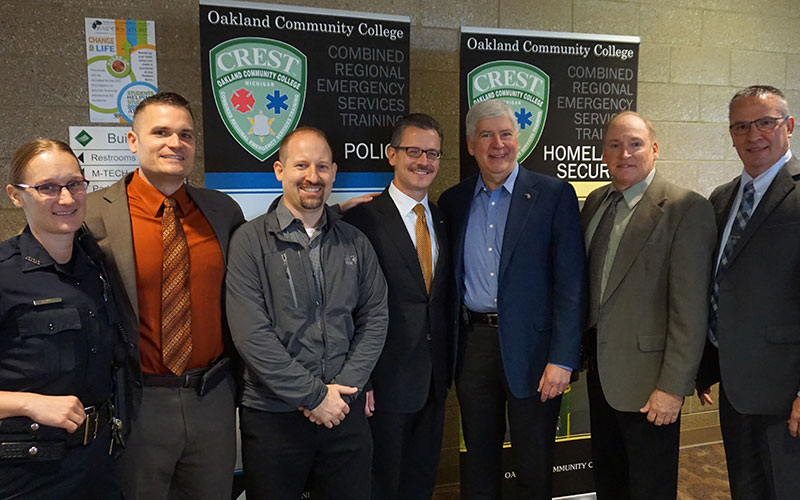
406, 450
483, 395
282, 452
632, 458
85, 472
763, 458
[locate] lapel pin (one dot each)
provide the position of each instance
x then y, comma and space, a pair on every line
527, 196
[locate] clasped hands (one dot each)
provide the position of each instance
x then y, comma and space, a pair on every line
333, 409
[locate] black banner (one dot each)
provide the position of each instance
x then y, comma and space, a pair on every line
267, 69
563, 88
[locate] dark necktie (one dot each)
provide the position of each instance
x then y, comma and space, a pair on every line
424, 252
176, 301
737, 228
598, 249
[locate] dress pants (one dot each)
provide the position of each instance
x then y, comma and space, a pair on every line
406, 450
282, 452
181, 446
483, 394
763, 458
632, 458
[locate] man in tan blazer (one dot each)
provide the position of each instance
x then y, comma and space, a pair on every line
183, 432
650, 245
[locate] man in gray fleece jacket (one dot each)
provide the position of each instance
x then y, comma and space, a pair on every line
307, 310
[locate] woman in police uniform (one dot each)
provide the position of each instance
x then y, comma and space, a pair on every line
57, 339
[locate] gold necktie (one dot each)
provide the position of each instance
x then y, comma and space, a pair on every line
424, 253
176, 300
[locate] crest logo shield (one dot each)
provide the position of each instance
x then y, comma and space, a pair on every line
259, 87
524, 87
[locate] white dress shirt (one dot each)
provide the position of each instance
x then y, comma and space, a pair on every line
405, 205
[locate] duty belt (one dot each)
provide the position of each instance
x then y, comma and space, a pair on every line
23, 439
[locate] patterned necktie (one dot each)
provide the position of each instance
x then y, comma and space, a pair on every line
597, 255
176, 300
424, 253
737, 228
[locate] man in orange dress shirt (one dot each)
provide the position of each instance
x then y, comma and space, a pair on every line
182, 442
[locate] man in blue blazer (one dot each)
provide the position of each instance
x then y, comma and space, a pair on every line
518, 257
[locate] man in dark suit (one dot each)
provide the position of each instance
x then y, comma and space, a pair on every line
518, 261
650, 245
754, 315
182, 444
410, 381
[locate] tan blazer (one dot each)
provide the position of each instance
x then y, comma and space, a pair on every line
653, 315
109, 220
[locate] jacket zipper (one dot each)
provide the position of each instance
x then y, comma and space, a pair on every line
319, 311
289, 277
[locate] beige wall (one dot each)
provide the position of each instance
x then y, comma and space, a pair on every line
692, 60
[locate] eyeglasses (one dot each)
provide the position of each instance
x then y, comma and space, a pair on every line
49, 189
764, 124
413, 152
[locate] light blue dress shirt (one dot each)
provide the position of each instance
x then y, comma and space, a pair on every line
483, 243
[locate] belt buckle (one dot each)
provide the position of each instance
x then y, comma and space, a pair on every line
92, 420
492, 320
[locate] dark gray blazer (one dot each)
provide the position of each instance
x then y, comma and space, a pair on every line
759, 301
420, 342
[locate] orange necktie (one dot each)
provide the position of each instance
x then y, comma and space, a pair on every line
176, 300
424, 253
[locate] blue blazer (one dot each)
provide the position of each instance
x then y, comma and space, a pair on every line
540, 287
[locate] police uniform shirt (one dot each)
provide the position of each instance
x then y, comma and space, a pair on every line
55, 339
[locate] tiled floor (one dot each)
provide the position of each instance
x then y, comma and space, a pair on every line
702, 476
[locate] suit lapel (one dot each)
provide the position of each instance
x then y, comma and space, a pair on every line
395, 231
523, 198
117, 222
722, 210
644, 219
463, 200
441, 242
781, 186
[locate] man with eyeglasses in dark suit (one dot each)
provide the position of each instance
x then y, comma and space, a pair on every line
415, 370
753, 345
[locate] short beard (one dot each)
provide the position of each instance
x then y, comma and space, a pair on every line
311, 203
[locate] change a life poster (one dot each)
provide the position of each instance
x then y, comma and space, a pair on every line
121, 65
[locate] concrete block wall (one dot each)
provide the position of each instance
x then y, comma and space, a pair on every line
694, 56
